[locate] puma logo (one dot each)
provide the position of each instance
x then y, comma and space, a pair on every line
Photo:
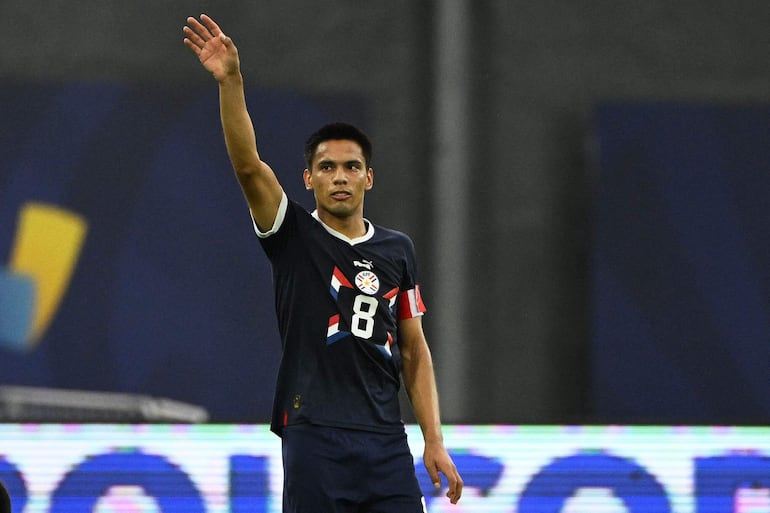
366, 264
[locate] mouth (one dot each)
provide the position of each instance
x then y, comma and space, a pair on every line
340, 195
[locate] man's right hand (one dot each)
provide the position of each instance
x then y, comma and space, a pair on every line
214, 49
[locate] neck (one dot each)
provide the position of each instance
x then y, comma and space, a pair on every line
351, 227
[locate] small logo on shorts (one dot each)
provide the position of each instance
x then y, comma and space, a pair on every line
367, 282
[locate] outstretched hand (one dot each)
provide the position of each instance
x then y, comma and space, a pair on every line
214, 49
436, 459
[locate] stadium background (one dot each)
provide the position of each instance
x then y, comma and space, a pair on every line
487, 119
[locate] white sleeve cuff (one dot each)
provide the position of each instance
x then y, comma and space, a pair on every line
279, 216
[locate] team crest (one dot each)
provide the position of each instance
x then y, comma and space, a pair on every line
367, 282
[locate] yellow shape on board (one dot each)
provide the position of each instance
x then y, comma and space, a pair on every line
47, 246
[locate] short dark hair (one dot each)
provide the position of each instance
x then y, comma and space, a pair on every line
336, 132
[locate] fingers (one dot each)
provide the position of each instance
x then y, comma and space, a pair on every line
454, 480
434, 477
455, 486
192, 46
211, 25
199, 33
448, 468
193, 40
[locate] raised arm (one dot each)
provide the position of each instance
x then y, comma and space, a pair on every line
420, 383
218, 55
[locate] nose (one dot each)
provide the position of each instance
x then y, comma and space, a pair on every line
339, 176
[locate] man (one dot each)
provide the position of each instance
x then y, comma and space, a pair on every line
349, 315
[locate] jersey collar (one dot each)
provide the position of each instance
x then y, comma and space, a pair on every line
365, 237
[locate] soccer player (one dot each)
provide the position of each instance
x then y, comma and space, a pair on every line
349, 315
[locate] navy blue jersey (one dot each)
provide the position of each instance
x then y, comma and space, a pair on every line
338, 303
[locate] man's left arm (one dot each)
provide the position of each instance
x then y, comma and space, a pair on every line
420, 383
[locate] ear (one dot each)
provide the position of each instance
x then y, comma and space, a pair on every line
306, 176
369, 179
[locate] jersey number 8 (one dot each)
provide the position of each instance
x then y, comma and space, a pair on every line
364, 308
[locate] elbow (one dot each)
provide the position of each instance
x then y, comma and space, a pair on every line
416, 359
246, 169
250, 171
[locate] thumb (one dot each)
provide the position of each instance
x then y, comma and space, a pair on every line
434, 477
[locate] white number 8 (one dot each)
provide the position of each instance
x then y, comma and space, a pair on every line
364, 308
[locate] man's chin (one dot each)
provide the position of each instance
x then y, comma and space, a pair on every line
341, 210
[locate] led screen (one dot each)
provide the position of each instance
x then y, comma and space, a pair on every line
526, 469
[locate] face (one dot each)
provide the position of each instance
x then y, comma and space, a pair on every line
339, 178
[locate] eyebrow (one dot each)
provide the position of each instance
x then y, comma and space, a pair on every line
346, 162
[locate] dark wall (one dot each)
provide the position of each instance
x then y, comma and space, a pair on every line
537, 70
540, 69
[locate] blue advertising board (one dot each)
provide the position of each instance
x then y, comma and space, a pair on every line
681, 264
127, 259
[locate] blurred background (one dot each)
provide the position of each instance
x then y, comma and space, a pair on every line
584, 182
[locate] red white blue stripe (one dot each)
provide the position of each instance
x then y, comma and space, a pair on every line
338, 280
410, 304
333, 333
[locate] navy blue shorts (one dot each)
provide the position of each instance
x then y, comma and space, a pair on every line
333, 470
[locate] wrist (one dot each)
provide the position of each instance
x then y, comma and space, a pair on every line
231, 78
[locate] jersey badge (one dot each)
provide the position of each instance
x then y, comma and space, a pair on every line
367, 282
